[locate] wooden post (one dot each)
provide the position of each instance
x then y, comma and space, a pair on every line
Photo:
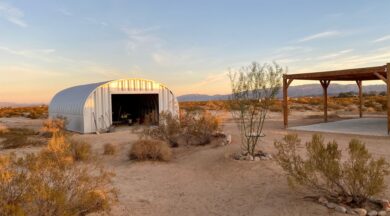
359, 83
285, 103
325, 84
286, 84
388, 97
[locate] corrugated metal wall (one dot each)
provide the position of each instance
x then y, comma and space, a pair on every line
97, 109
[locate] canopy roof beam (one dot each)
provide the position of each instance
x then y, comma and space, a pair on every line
358, 74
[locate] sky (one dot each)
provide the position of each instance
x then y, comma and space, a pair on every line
49, 45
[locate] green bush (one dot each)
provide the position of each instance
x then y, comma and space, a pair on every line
323, 170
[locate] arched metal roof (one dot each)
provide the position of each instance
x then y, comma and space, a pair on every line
72, 100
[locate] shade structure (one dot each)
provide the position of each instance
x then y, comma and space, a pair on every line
357, 74
89, 108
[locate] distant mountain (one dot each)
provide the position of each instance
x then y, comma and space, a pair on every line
295, 91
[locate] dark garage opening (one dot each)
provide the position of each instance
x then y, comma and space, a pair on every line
134, 109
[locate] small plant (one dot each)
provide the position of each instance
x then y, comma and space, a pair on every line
80, 150
149, 149
109, 149
352, 181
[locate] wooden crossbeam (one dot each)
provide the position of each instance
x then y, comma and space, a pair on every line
384, 79
325, 83
289, 82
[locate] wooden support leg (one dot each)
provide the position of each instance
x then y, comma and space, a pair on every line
286, 84
325, 84
388, 97
285, 104
360, 86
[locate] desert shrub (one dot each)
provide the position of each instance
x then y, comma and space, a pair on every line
346, 94
80, 150
149, 149
254, 89
199, 127
32, 112
51, 183
3, 129
56, 125
168, 129
18, 137
15, 141
109, 149
322, 171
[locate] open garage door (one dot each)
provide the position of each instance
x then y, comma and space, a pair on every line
135, 109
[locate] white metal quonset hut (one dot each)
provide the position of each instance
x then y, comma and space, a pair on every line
95, 107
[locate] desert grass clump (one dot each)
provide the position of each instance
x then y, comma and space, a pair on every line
80, 150
149, 149
323, 171
52, 183
109, 149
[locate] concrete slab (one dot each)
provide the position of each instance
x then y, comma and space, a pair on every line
360, 126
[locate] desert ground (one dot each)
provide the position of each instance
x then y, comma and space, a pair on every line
206, 180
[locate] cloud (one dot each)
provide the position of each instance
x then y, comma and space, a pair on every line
142, 39
12, 14
40, 54
65, 12
382, 39
335, 55
326, 34
95, 21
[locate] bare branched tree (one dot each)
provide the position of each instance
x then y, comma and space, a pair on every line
254, 88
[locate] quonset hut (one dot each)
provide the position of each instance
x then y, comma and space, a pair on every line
96, 107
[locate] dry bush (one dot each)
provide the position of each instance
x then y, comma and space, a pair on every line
18, 137
109, 149
168, 129
15, 141
196, 127
352, 181
51, 183
80, 150
33, 112
148, 149
3, 129
199, 127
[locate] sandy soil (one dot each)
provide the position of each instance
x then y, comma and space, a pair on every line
206, 181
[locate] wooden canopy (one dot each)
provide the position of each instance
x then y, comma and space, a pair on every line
358, 74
